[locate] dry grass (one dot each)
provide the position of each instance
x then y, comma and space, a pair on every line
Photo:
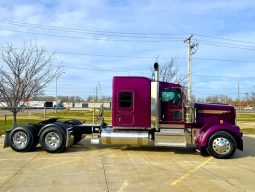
246, 121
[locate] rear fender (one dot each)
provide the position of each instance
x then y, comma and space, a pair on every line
206, 132
34, 128
59, 125
68, 131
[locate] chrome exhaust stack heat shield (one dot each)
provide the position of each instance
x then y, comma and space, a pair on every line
155, 102
123, 137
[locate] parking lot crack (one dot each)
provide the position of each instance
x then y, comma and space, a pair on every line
18, 171
105, 176
227, 180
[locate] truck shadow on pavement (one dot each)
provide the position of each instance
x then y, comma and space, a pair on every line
249, 150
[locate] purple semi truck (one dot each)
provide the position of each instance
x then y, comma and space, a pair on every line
144, 112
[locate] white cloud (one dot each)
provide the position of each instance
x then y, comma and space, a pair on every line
227, 19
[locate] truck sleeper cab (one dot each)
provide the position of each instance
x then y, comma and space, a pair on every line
144, 112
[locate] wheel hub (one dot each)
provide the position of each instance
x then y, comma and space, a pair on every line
20, 139
52, 140
221, 145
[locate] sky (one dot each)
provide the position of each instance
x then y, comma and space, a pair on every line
97, 39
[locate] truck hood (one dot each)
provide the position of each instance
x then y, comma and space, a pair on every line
216, 107
208, 113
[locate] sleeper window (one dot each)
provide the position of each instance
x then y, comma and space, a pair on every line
125, 99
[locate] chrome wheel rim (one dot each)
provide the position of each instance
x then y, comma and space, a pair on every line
20, 139
221, 145
52, 140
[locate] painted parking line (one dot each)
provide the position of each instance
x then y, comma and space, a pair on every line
191, 171
76, 158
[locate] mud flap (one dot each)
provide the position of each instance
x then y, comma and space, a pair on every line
6, 137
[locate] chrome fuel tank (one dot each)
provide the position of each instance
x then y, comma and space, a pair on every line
110, 136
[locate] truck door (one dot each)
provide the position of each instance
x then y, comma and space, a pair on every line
125, 108
171, 106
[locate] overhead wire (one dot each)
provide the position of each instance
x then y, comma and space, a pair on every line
89, 30
78, 30
141, 57
91, 38
225, 39
127, 35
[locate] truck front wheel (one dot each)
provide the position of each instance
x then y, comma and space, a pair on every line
53, 139
221, 145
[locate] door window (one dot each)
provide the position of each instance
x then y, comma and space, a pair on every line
172, 96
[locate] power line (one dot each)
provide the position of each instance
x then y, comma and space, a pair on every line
90, 38
102, 55
246, 77
89, 30
222, 60
221, 88
229, 46
79, 30
106, 70
109, 70
130, 40
144, 57
148, 57
142, 72
225, 39
126, 34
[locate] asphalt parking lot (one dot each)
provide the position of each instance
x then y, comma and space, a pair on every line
87, 167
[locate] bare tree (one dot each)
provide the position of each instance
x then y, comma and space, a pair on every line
219, 99
70, 99
90, 98
106, 98
24, 74
170, 72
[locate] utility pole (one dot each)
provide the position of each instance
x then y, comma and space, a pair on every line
238, 96
192, 48
247, 99
253, 97
56, 106
96, 93
100, 94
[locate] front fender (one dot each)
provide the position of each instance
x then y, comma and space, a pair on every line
206, 132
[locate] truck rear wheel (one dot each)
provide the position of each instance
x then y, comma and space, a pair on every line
221, 145
53, 140
22, 139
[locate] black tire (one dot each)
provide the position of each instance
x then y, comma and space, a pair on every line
53, 140
22, 139
221, 145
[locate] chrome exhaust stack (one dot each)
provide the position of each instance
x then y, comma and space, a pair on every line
156, 72
155, 102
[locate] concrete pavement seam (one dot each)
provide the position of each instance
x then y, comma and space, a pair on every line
16, 173
106, 180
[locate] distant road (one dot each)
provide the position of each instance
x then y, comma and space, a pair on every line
2, 112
